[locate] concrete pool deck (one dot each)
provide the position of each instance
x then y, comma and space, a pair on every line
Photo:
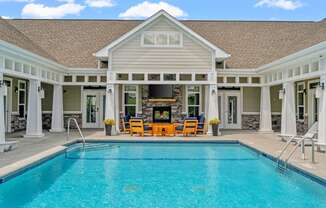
30, 150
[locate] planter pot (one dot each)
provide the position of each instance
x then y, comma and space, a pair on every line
215, 129
108, 130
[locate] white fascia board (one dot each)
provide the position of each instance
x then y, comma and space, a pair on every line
219, 53
94, 71
29, 55
318, 48
237, 72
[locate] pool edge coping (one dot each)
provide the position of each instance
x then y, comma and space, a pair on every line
19, 167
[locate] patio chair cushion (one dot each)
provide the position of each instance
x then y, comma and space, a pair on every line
179, 128
147, 128
127, 117
191, 118
201, 120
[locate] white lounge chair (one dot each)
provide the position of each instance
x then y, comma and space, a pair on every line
8, 145
311, 134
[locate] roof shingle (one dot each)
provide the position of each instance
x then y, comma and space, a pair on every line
250, 43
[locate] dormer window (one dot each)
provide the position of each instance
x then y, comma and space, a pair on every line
162, 39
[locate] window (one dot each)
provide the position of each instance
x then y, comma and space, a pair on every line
193, 100
162, 39
130, 100
300, 101
21, 98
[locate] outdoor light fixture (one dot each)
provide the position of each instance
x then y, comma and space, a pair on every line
109, 90
16, 89
1, 83
281, 94
322, 85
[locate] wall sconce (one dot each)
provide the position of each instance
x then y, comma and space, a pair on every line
1, 83
39, 88
322, 85
281, 94
16, 90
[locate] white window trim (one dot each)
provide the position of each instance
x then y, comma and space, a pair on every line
200, 101
304, 100
21, 90
161, 46
123, 98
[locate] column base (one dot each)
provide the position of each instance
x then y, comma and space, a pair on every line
33, 135
266, 131
57, 130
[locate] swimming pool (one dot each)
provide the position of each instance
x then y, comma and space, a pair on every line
162, 175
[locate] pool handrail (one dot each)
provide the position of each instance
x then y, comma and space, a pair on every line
80, 132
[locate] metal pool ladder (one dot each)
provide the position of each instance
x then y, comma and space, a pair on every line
282, 164
80, 132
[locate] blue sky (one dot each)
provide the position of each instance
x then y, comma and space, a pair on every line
182, 9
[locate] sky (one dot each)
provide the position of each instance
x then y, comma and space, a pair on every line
276, 10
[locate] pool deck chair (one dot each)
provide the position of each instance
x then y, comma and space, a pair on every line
311, 134
189, 127
137, 126
201, 129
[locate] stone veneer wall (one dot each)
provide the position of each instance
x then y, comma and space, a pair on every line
302, 127
46, 120
250, 122
176, 107
78, 117
276, 123
17, 123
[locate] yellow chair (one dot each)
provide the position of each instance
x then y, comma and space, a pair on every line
137, 126
187, 128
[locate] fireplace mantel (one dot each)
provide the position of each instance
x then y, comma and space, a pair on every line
162, 100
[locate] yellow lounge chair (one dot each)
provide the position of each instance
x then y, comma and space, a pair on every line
188, 127
137, 126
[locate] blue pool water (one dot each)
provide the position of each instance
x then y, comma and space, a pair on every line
164, 175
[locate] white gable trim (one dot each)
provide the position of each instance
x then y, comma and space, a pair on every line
219, 53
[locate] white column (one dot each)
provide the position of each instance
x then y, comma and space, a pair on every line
116, 108
212, 105
110, 105
34, 111
57, 109
2, 113
265, 110
288, 125
322, 108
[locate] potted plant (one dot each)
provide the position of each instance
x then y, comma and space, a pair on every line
108, 126
214, 123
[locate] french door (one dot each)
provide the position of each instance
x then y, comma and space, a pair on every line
229, 109
313, 103
93, 109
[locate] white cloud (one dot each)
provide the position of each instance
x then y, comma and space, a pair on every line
282, 4
6, 17
41, 11
147, 9
99, 3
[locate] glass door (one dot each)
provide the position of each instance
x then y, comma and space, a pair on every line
229, 109
313, 103
94, 109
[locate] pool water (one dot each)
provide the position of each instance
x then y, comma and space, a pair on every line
161, 175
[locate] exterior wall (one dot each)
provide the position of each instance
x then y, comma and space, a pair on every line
72, 98
131, 57
251, 99
48, 97
276, 103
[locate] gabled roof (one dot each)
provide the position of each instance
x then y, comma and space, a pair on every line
251, 43
10, 34
104, 52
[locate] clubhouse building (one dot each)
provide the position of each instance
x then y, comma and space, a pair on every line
256, 75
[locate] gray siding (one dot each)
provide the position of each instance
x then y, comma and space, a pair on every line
130, 56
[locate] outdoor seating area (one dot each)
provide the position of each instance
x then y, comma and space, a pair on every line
189, 126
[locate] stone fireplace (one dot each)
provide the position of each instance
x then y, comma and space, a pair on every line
175, 106
162, 114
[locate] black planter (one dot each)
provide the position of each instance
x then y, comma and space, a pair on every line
108, 129
215, 129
